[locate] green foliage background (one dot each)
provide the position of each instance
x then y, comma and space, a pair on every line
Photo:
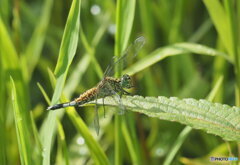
59, 49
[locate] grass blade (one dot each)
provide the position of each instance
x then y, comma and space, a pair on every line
44, 93
12, 67
23, 141
62, 155
177, 144
38, 147
124, 21
66, 54
173, 50
95, 149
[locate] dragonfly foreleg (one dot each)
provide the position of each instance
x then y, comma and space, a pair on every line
126, 93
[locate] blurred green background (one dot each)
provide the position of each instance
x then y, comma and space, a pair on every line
31, 34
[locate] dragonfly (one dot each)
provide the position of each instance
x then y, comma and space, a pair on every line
108, 86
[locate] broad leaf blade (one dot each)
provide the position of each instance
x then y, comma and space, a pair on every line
186, 131
215, 118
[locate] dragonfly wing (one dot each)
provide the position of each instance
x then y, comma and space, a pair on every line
126, 57
118, 98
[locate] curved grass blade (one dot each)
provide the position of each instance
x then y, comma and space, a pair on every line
62, 152
177, 144
173, 50
44, 93
97, 153
66, 54
10, 66
23, 141
128, 55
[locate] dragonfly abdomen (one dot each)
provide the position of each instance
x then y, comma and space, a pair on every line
63, 105
87, 96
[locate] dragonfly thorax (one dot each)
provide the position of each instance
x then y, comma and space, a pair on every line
126, 81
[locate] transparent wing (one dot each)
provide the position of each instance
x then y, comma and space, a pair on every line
128, 54
96, 120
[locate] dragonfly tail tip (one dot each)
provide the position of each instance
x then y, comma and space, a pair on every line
49, 108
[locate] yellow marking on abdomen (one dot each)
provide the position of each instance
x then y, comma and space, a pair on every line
87, 96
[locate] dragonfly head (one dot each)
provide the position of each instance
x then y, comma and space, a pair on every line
126, 81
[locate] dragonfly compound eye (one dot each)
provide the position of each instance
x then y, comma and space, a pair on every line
126, 81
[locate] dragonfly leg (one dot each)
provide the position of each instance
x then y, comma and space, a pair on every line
96, 118
126, 93
103, 107
122, 108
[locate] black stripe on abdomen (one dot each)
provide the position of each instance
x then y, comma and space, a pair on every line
56, 106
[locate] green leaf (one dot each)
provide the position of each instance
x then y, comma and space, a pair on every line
173, 50
186, 131
23, 141
67, 51
215, 118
